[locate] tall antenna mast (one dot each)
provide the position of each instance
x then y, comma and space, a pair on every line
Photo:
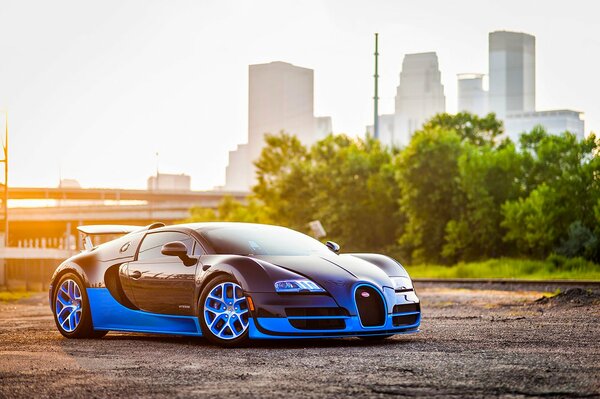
376, 97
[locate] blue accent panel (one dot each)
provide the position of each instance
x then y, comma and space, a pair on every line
405, 313
110, 315
353, 328
316, 317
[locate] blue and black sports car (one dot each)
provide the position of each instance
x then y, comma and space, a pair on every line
229, 282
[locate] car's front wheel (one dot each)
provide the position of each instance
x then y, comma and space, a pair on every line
72, 310
224, 314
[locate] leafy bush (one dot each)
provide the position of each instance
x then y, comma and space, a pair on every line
556, 260
581, 242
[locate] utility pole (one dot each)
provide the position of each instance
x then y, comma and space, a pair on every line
376, 97
5, 193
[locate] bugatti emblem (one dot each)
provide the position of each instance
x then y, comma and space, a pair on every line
365, 294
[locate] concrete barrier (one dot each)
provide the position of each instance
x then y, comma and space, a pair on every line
29, 268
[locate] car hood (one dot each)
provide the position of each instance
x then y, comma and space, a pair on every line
338, 274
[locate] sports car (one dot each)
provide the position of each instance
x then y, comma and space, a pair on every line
229, 282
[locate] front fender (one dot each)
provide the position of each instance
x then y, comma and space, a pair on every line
390, 266
255, 276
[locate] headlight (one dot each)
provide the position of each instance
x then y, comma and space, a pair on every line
291, 286
402, 283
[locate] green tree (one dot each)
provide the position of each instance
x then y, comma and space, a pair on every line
231, 210
284, 181
347, 184
471, 128
488, 177
354, 192
531, 222
568, 170
427, 173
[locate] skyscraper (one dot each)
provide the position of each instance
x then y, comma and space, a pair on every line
419, 96
511, 73
512, 89
471, 95
280, 98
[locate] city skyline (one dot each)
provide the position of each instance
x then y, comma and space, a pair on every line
105, 84
280, 98
419, 96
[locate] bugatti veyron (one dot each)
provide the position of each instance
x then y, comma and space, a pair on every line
229, 282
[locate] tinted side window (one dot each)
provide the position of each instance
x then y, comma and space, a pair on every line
153, 243
198, 251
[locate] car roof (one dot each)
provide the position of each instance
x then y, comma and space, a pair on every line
202, 226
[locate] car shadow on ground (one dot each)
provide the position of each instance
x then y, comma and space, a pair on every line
259, 343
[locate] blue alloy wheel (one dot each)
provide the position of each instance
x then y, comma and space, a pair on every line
226, 311
68, 305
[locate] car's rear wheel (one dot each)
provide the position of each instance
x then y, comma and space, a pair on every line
224, 314
72, 310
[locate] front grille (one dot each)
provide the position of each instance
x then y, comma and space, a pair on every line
409, 307
405, 320
318, 324
369, 303
311, 312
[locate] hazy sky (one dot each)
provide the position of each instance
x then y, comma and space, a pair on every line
95, 89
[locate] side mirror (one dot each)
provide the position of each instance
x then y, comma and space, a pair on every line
333, 247
177, 248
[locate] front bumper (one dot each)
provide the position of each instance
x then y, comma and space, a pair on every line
269, 328
324, 317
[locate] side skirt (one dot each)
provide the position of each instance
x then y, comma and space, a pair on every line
110, 315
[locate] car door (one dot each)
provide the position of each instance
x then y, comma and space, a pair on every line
160, 283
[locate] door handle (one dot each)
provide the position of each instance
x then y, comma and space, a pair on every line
135, 274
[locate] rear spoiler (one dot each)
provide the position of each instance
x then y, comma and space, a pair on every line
101, 229
98, 229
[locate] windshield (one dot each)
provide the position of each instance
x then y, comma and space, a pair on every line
261, 240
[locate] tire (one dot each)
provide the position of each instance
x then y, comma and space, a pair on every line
71, 309
223, 312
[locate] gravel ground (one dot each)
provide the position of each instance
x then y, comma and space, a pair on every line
474, 343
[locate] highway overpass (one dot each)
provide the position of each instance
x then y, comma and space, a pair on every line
203, 198
54, 225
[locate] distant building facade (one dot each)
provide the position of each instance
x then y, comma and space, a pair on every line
511, 72
170, 182
419, 96
472, 97
511, 94
69, 183
323, 126
280, 98
554, 121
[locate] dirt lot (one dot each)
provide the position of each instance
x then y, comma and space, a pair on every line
474, 343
